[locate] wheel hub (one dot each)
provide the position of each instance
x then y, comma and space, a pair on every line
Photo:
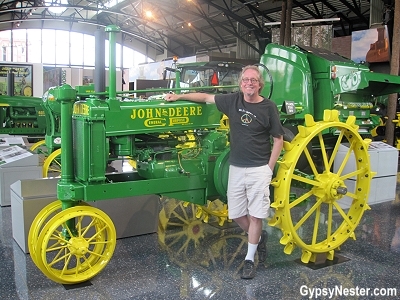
78, 246
332, 188
195, 230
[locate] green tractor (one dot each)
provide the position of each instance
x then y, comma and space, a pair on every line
181, 152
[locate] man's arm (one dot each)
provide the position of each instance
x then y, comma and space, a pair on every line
195, 97
276, 151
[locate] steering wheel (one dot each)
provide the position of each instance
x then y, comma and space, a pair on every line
270, 78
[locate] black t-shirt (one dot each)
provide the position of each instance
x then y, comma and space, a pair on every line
251, 127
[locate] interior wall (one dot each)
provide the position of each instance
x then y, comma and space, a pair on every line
342, 46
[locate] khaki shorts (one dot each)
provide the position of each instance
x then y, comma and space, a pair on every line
248, 191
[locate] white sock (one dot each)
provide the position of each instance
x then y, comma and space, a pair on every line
251, 251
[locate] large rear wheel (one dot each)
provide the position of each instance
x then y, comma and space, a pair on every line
308, 207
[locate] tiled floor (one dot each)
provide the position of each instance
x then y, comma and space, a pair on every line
194, 260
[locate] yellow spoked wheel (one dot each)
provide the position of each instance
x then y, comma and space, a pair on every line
216, 209
308, 206
180, 215
52, 165
37, 225
226, 253
40, 220
41, 149
71, 254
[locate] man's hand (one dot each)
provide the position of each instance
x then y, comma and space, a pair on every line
170, 97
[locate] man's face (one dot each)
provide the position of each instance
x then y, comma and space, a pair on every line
250, 84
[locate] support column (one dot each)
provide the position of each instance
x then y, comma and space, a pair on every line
394, 70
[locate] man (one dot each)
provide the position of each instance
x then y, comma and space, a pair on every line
252, 121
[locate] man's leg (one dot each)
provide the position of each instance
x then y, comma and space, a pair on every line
255, 228
252, 226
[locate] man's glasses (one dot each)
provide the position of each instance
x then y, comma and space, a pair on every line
252, 80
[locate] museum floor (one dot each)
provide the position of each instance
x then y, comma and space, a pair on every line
189, 259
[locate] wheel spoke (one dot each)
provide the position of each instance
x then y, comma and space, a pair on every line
355, 173
310, 161
65, 268
176, 224
52, 248
323, 151
184, 246
308, 214
343, 214
183, 219
330, 220
306, 180
65, 226
351, 195
185, 215
345, 159
58, 237
91, 224
58, 258
316, 225
336, 148
97, 254
99, 243
236, 253
301, 199
99, 231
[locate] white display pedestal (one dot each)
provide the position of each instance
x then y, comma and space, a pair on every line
28, 197
16, 163
384, 161
131, 215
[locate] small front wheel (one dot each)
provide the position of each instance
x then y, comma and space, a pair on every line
72, 254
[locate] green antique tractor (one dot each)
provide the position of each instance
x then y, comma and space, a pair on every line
39, 120
181, 151
36, 118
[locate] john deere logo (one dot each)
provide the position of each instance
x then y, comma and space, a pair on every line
154, 117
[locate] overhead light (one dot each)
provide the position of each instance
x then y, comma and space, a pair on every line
149, 14
305, 21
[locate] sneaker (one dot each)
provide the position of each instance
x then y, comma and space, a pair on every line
249, 271
262, 247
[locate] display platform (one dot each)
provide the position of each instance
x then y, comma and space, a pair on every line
131, 216
383, 161
16, 163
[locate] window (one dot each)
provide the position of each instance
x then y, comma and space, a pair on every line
76, 49
62, 47
127, 54
88, 50
5, 41
19, 45
34, 46
48, 50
